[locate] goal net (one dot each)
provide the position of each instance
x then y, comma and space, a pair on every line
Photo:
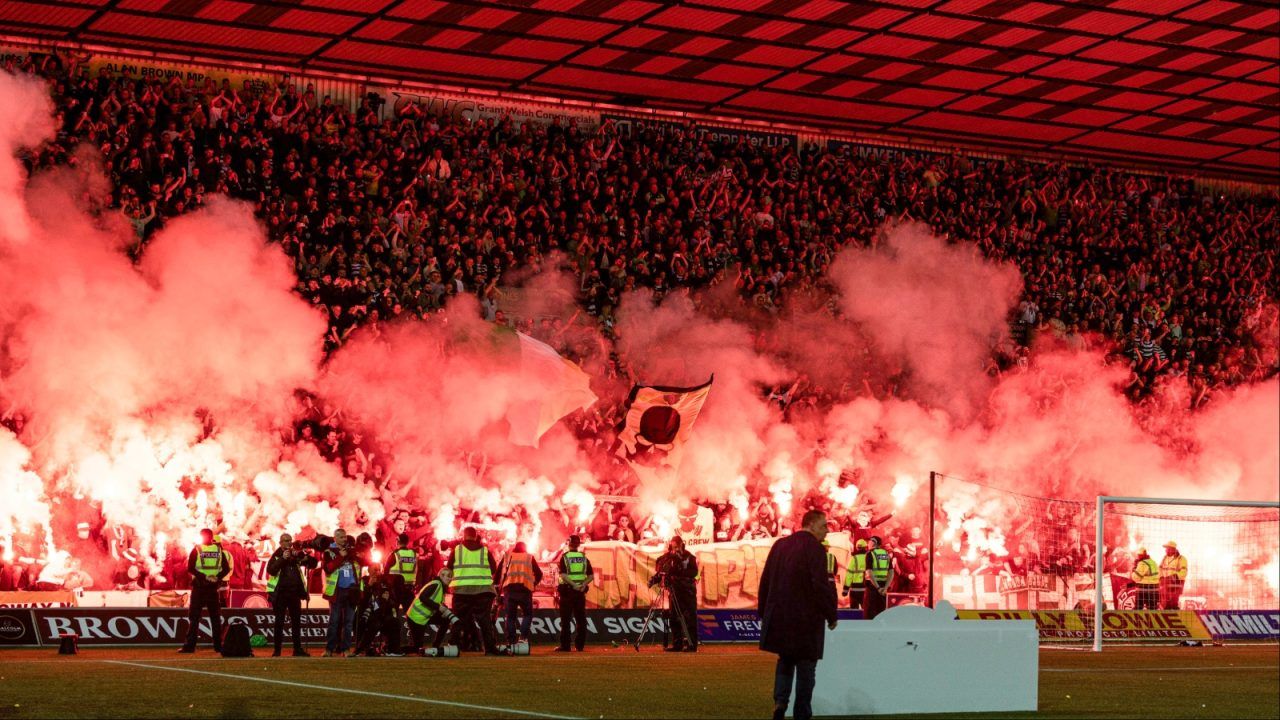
999, 553
1183, 555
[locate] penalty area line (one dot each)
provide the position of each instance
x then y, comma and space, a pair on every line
349, 691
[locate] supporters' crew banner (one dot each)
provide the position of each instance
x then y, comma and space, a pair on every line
31, 599
469, 109
729, 573
17, 628
742, 625
1241, 624
1117, 624
628, 126
259, 82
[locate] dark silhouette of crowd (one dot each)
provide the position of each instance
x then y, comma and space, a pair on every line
388, 210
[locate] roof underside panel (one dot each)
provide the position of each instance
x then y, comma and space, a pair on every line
1186, 84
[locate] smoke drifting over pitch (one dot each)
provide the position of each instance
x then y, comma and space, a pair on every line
118, 364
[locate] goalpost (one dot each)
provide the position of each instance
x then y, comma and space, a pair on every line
1232, 549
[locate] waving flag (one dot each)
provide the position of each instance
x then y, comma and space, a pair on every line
658, 422
556, 388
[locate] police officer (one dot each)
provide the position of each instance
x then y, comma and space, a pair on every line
474, 570
856, 574
831, 561
679, 572
402, 572
1146, 578
520, 575
1173, 575
209, 568
287, 588
576, 575
428, 609
877, 578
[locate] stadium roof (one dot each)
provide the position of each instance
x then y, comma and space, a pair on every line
1189, 85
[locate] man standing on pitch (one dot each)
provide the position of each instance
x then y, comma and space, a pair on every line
209, 568
796, 598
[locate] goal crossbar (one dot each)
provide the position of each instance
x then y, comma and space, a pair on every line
1099, 570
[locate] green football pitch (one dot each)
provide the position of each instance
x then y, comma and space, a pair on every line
719, 682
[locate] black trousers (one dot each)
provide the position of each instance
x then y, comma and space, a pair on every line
402, 592
573, 606
418, 632
202, 598
292, 607
873, 602
387, 624
682, 605
475, 611
855, 598
518, 599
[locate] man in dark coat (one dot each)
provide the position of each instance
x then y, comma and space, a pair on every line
288, 566
796, 598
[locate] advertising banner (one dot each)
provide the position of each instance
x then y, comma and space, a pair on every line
1241, 624
17, 628
628, 126
156, 626
468, 109
742, 625
168, 626
1116, 624
32, 599
257, 82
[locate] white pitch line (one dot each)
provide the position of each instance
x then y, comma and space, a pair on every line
349, 691
1160, 669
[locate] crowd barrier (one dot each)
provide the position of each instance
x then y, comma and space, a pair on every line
168, 626
1058, 625
42, 626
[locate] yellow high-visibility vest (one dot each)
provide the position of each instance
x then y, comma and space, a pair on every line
209, 560
1146, 572
418, 611
1174, 567
575, 566
857, 569
880, 564
406, 565
471, 568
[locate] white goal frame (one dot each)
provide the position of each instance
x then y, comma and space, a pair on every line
1099, 572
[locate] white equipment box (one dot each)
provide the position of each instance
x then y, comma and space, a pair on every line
913, 659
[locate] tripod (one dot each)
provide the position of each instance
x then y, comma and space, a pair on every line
672, 604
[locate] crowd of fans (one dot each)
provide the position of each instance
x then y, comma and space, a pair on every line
389, 211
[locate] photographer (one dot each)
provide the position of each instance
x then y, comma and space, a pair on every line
342, 588
379, 615
428, 610
677, 570
287, 587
